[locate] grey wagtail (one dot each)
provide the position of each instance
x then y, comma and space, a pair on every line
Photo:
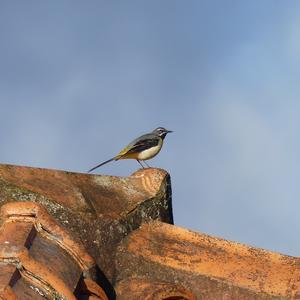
142, 148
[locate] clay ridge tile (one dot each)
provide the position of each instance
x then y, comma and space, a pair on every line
99, 210
207, 266
113, 196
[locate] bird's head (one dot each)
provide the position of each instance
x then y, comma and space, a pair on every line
162, 132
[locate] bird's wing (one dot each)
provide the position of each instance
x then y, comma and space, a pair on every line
140, 144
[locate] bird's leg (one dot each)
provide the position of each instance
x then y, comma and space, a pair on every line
146, 164
140, 163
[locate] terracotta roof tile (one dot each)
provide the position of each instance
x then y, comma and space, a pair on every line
142, 288
103, 195
134, 258
208, 267
112, 206
40, 259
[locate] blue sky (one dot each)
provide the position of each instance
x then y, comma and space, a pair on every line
79, 80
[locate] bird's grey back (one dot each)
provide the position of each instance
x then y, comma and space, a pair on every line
147, 136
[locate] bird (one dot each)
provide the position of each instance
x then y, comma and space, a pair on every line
142, 148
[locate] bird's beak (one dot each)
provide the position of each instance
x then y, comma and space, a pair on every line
169, 131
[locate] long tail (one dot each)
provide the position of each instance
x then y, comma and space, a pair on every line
107, 161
